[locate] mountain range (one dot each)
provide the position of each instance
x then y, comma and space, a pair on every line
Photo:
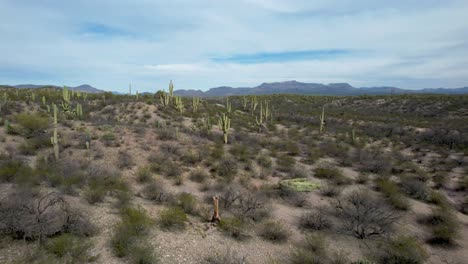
287, 87
294, 87
82, 88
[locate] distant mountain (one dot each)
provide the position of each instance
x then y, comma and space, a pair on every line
82, 88
294, 87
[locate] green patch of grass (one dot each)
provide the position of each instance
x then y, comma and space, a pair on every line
299, 185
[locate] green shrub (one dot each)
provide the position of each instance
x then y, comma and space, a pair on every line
71, 248
285, 162
173, 218
264, 161
143, 254
233, 227
227, 168
144, 175
188, 203
198, 175
136, 219
391, 191
274, 231
444, 226
312, 250
403, 250
32, 123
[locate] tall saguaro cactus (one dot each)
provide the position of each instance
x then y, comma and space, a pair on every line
224, 123
171, 89
195, 104
245, 100
164, 97
54, 138
66, 104
322, 120
228, 106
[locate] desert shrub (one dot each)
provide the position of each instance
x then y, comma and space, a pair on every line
167, 133
391, 191
330, 190
402, 250
241, 152
124, 160
312, 250
444, 226
170, 150
362, 178
315, 220
156, 191
462, 184
188, 203
101, 181
171, 169
233, 227
293, 197
229, 196
31, 145
172, 218
25, 214
440, 179
109, 140
274, 231
191, 157
228, 257
32, 124
70, 248
144, 175
264, 161
437, 198
125, 240
414, 188
226, 168
198, 175
142, 253
285, 162
331, 173
252, 205
364, 215
372, 160
217, 152
15, 170
298, 172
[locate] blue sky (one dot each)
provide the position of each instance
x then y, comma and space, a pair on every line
207, 43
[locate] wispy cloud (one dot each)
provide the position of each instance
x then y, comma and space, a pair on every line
98, 29
287, 56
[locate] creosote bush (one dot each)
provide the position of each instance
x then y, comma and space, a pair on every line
402, 250
274, 231
173, 218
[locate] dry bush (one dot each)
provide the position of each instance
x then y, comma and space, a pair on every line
315, 220
28, 215
364, 215
274, 231
125, 160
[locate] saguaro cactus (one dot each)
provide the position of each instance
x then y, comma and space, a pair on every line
228, 106
179, 104
171, 89
66, 105
322, 120
195, 104
253, 104
224, 123
43, 101
245, 100
164, 97
54, 138
137, 95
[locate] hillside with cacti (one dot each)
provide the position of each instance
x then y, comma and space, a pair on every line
278, 178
